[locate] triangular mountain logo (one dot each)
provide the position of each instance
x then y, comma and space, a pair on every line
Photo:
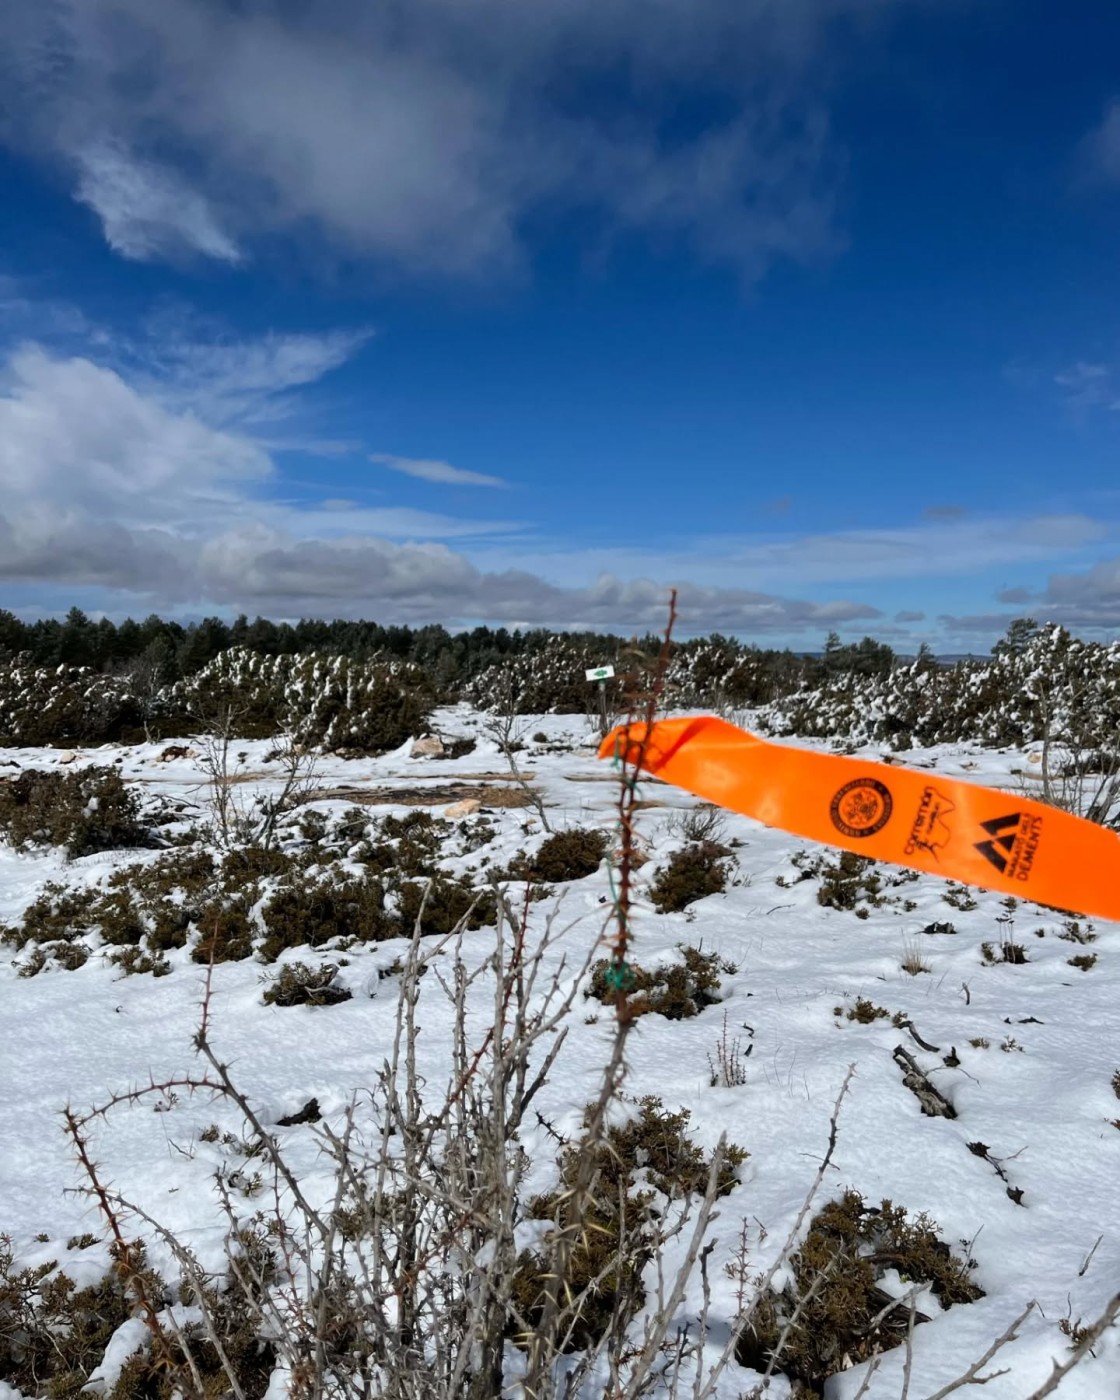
1003, 831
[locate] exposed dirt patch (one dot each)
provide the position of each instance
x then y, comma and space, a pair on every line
204, 779
471, 777
607, 778
433, 795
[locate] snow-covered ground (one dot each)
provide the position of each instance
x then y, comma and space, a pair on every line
1037, 1044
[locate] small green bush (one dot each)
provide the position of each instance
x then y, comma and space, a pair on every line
676, 992
692, 873
252, 895
849, 880
142, 906
566, 855
226, 932
442, 904
301, 985
408, 846
251, 864
1014, 953
311, 915
132, 961
654, 1147
84, 811
58, 914
53, 1333
312, 826
836, 1272
616, 1232
958, 896
189, 872
68, 956
236, 1322
382, 715
865, 1012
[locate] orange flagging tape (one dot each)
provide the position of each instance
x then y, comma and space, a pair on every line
947, 827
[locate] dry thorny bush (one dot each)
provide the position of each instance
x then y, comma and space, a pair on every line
235, 820
409, 1277
425, 1271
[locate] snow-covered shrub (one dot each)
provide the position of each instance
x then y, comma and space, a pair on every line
305, 914
226, 932
64, 705
617, 1233
299, 984
334, 703
84, 810
565, 855
55, 1335
841, 1312
439, 905
1051, 686
52, 1333
691, 873
677, 991
550, 679
411, 845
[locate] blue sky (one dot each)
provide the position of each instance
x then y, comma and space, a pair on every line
434, 311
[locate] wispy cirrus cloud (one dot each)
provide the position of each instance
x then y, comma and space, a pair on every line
442, 473
147, 211
424, 135
252, 383
193, 363
1100, 151
1089, 384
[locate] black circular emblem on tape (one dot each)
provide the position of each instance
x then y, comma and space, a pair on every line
861, 808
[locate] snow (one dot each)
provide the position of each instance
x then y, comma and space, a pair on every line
1039, 1095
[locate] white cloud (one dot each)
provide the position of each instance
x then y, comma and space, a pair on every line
1102, 146
1085, 600
106, 484
147, 211
80, 440
424, 134
392, 522
75, 435
247, 383
1089, 599
152, 483
443, 473
1089, 384
256, 567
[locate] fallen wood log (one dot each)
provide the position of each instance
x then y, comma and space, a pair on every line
933, 1102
